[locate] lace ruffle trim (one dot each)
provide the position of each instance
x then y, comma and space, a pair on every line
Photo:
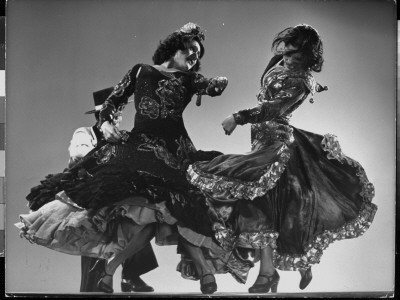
352, 229
256, 240
237, 188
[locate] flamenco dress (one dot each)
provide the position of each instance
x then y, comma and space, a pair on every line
81, 210
295, 191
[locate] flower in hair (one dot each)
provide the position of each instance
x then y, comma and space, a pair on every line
192, 29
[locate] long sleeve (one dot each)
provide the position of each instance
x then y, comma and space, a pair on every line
119, 97
293, 90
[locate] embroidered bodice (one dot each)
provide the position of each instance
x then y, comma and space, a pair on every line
282, 92
160, 98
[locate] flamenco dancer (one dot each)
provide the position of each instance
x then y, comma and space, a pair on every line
295, 192
137, 179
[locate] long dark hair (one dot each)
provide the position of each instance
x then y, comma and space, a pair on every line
179, 40
307, 40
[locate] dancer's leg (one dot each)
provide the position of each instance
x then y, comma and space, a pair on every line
268, 277
90, 275
138, 237
202, 265
204, 268
140, 263
306, 277
266, 265
141, 235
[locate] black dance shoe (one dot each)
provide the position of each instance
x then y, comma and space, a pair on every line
99, 266
105, 288
208, 288
135, 285
306, 278
272, 284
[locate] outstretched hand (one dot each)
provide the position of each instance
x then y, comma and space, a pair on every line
229, 125
110, 132
218, 84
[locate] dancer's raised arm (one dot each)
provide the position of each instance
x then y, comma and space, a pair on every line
115, 103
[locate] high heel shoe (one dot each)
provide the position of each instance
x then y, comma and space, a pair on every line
272, 284
100, 284
306, 278
104, 287
208, 288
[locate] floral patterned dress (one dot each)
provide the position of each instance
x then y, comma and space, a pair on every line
158, 149
294, 191
150, 165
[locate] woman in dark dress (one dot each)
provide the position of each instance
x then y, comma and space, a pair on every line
148, 163
295, 192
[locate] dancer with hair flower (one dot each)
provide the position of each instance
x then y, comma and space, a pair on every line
133, 183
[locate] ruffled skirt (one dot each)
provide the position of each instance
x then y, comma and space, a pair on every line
146, 165
63, 226
297, 198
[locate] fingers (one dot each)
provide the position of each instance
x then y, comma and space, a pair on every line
228, 132
113, 136
220, 84
222, 79
110, 132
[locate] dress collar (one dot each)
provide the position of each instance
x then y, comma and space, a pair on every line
308, 78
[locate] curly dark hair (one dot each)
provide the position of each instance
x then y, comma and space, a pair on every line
307, 40
174, 42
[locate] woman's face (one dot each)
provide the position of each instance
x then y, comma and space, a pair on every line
186, 59
291, 56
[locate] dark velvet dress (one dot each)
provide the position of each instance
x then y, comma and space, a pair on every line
295, 191
151, 163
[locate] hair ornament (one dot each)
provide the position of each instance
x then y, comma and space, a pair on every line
193, 29
319, 88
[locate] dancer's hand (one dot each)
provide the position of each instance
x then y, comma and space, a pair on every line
229, 125
217, 86
110, 132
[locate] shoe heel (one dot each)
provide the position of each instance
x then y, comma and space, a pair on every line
101, 285
105, 288
208, 288
274, 287
125, 288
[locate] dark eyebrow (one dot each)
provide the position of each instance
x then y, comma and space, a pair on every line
288, 52
193, 44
